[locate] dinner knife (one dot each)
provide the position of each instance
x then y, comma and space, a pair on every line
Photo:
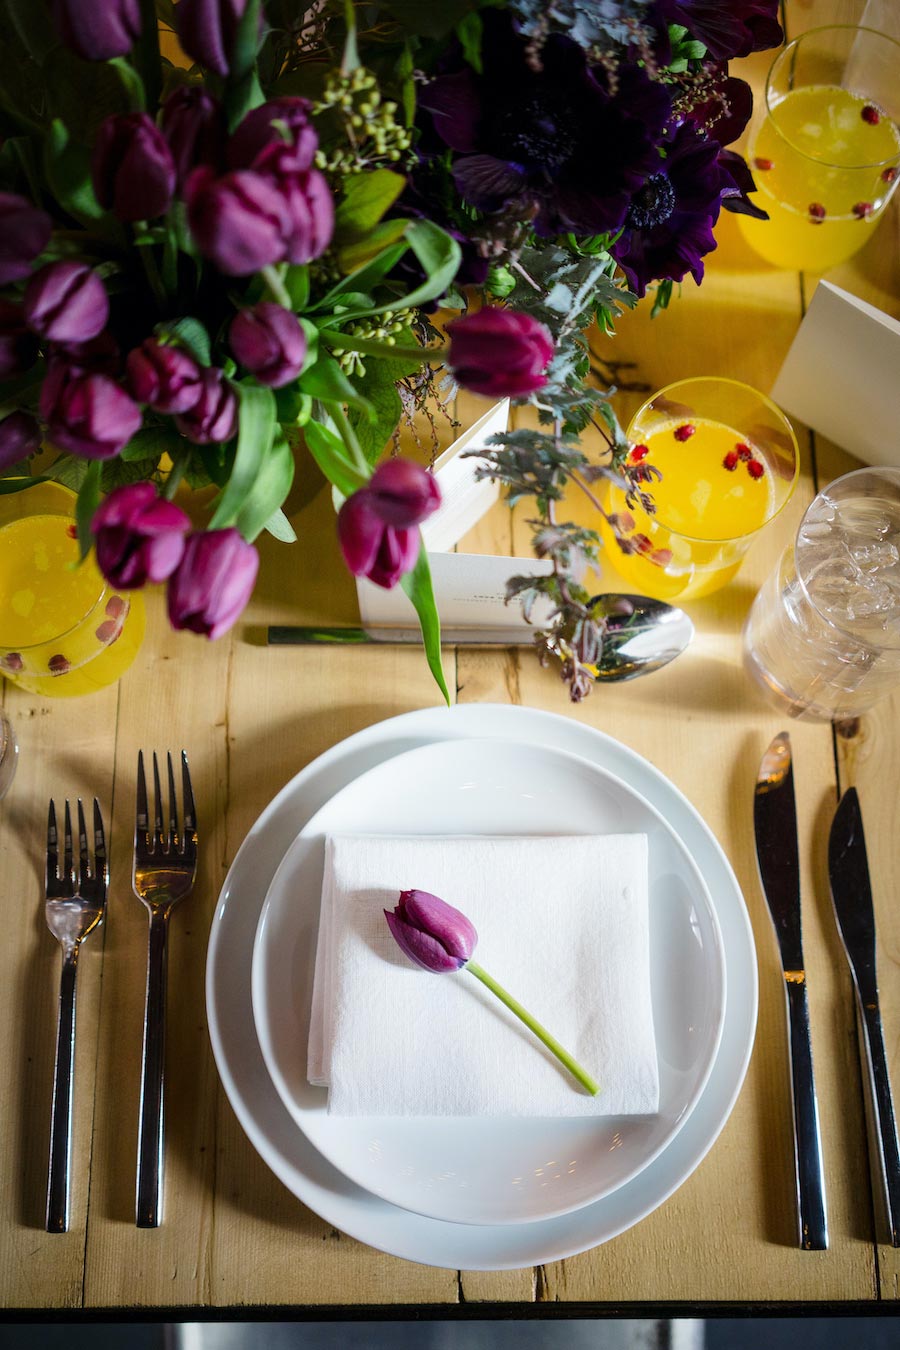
851, 895
775, 822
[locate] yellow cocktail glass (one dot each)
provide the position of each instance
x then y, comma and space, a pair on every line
728, 462
63, 630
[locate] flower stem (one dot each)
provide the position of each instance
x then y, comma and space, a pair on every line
541, 1032
373, 347
276, 286
349, 437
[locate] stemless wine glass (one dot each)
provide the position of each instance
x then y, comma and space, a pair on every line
63, 630
729, 462
826, 154
822, 639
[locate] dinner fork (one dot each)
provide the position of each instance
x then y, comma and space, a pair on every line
72, 911
164, 870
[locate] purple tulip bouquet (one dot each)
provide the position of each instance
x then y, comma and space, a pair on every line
226, 227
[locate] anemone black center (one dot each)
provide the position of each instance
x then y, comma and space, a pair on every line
536, 131
652, 204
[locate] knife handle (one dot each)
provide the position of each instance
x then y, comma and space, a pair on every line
813, 1222
883, 1123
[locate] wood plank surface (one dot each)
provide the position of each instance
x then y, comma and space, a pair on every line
250, 717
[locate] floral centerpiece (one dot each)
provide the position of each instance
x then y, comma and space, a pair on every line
226, 227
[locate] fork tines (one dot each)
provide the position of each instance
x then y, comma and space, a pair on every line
149, 841
88, 869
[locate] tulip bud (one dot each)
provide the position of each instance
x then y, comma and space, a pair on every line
18, 347
164, 377
212, 583
20, 436
139, 537
377, 525
132, 168
500, 282
239, 221
194, 126
270, 342
499, 352
432, 933
86, 412
207, 29
24, 233
97, 31
280, 122
213, 417
66, 302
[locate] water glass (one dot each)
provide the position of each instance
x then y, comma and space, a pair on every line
728, 462
822, 639
826, 153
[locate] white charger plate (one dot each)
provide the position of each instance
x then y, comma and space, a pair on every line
268, 1124
479, 1170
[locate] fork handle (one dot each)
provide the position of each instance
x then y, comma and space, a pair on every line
149, 1195
61, 1111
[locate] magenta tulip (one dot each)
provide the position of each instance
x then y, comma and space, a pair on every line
212, 583
97, 30
308, 201
66, 302
86, 413
280, 122
432, 933
213, 417
499, 352
139, 537
207, 29
377, 525
164, 377
269, 341
24, 233
194, 125
20, 436
240, 221
132, 168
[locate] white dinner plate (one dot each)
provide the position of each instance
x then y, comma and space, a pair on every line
480, 1170
269, 1125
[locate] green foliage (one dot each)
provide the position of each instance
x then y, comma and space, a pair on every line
255, 439
418, 586
86, 504
367, 196
330, 453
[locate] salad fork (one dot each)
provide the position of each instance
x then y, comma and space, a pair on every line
165, 866
73, 910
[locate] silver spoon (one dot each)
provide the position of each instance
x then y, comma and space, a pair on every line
636, 643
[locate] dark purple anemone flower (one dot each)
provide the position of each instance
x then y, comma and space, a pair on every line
669, 226
727, 29
555, 141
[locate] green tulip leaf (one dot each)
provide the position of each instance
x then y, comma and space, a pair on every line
68, 171
418, 586
329, 452
151, 442
269, 491
367, 196
191, 334
325, 380
86, 505
256, 432
280, 528
439, 256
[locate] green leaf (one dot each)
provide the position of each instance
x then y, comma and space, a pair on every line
243, 91
469, 31
325, 380
18, 483
358, 252
69, 470
329, 452
86, 504
151, 442
269, 490
417, 585
33, 27
366, 277
379, 385
68, 171
439, 256
116, 472
428, 19
82, 93
296, 283
131, 82
255, 433
366, 198
279, 527
192, 335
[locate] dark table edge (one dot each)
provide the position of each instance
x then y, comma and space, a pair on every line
455, 1312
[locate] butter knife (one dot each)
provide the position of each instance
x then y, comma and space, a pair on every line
775, 823
851, 895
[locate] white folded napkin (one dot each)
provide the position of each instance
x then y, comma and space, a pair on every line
562, 924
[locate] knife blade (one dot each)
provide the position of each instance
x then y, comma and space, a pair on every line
775, 824
851, 895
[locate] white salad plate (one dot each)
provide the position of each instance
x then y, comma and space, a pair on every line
483, 1170
301, 1167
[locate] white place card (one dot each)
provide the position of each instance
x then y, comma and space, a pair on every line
840, 376
464, 498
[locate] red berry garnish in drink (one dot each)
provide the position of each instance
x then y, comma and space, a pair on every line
639, 452
72, 531
862, 210
58, 665
661, 557
684, 432
760, 163
730, 462
12, 661
755, 468
116, 606
816, 212
871, 115
108, 631
641, 543
622, 520
743, 451
888, 175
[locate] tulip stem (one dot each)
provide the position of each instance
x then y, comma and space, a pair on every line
277, 288
349, 437
541, 1032
373, 347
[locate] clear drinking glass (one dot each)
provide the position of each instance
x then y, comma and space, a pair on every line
729, 462
826, 154
822, 639
63, 630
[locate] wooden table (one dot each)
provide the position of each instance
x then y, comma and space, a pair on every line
251, 717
